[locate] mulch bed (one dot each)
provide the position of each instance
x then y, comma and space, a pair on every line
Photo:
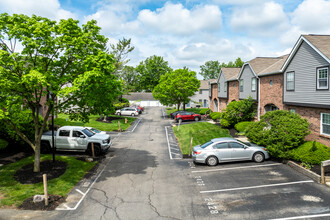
25, 175
53, 202
109, 119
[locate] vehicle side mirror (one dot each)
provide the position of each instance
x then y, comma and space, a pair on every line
246, 147
82, 136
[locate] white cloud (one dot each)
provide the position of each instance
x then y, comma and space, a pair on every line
45, 8
260, 20
312, 16
175, 19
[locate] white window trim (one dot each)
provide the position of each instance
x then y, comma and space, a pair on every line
255, 84
317, 83
225, 86
321, 124
291, 72
240, 85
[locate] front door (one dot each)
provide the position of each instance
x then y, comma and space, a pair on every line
239, 152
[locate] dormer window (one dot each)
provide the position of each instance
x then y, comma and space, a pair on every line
322, 78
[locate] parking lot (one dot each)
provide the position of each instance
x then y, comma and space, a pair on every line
249, 190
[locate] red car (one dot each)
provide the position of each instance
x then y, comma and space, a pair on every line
139, 107
187, 116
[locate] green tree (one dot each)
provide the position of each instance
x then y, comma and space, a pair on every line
58, 59
150, 72
210, 70
130, 79
176, 87
120, 52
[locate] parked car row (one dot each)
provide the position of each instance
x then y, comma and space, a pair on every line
130, 111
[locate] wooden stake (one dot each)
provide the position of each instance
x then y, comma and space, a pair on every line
44, 177
125, 120
119, 126
93, 154
191, 142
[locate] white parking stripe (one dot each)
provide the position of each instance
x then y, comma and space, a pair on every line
176, 153
168, 143
255, 187
236, 168
303, 217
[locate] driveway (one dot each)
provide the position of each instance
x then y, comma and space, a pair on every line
142, 179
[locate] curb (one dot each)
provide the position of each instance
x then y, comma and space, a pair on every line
304, 171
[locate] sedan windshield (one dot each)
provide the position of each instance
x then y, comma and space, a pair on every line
88, 132
206, 144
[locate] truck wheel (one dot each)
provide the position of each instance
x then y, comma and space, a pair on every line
97, 150
45, 147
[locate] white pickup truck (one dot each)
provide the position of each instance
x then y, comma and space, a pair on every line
76, 138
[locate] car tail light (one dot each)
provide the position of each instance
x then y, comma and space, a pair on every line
197, 152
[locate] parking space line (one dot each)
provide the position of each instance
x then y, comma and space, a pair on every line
235, 168
176, 153
303, 217
168, 143
255, 187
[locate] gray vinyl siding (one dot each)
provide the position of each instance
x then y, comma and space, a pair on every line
304, 65
221, 82
247, 76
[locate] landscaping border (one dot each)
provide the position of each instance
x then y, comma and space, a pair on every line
304, 171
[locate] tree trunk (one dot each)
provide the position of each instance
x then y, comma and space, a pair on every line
179, 106
184, 106
36, 167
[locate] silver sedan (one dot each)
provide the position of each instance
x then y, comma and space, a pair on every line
228, 149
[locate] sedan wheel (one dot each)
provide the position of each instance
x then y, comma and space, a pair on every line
133, 114
196, 119
258, 157
212, 161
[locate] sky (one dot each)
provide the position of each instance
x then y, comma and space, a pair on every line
189, 33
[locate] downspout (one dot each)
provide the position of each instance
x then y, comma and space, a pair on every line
259, 110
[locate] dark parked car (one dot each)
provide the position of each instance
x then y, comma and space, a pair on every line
187, 116
173, 114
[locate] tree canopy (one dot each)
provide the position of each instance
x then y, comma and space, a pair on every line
150, 71
176, 87
211, 69
58, 59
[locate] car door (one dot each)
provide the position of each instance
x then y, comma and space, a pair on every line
239, 151
222, 151
62, 140
77, 141
190, 116
124, 111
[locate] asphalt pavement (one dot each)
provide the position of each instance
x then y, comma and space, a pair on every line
144, 177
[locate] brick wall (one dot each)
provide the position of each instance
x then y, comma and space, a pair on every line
313, 116
271, 91
222, 104
214, 90
233, 91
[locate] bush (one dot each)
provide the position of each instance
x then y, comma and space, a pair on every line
25, 124
204, 111
311, 152
279, 131
224, 123
242, 126
215, 115
243, 110
3, 144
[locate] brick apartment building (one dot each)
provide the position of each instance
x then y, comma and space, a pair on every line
298, 82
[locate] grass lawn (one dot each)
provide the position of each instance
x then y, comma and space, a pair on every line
201, 132
14, 193
63, 119
195, 110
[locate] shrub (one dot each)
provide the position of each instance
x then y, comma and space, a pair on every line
311, 152
25, 124
243, 110
204, 111
3, 144
242, 126
280, 131
224, 123
215, 115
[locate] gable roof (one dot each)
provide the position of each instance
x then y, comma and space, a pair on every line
204, 84
212, 81
262, 66
230, 73
320, 43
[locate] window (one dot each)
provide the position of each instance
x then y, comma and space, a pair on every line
200, 91
205, 102
218, 87
236, 145
225, 87
221, 146
253, 84
241, 83
188, 104
64, 133
325, 123
271, 83
76, 134
292, 110
290, 81
200, 100
322, 78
